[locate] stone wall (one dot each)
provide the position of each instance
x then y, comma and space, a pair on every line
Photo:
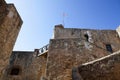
3, 10
30, 66
65, 52
9, 29
106, 68
95, 37
71, 47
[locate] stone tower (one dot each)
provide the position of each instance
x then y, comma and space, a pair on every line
10, 24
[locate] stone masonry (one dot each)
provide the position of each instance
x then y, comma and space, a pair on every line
106, 68
72, 47
10, 24
25, 65
69, 49
73, 54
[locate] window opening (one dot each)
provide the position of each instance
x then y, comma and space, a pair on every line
15, 71
87, 37
109, 48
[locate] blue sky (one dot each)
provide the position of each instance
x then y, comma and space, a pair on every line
40, 16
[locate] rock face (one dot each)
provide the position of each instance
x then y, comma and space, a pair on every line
106, 68
10, 24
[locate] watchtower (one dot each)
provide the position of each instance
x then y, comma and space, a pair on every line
10, 24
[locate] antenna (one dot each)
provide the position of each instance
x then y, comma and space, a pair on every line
63, 18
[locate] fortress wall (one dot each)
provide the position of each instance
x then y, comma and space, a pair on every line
94, 36
3, 10
106, 68
67, 51
64, 54
9, 29
30, 66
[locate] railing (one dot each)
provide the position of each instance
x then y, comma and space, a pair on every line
42, 50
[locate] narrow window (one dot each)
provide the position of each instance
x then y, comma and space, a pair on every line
15, 71
109, 48
87, 37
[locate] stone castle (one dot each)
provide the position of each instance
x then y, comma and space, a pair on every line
73, 54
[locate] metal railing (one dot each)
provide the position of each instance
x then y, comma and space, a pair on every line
42, 50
